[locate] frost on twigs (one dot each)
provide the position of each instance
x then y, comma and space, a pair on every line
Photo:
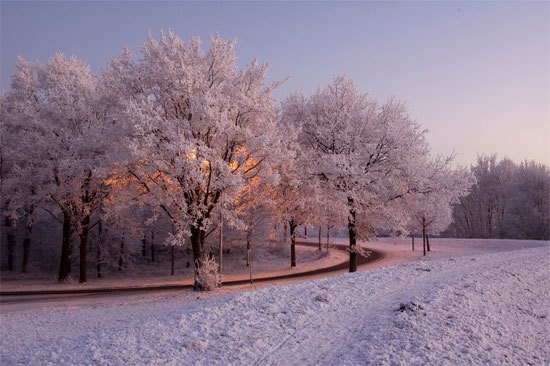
177, 239
207, 276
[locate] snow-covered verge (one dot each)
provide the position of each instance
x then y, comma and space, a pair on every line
484, 309
263, 265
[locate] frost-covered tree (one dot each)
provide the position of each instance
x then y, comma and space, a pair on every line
507, 201
7, 222
201, 126
363, 154
65, 144
18, 176
439, 188
529, 202
296, 199
251, 203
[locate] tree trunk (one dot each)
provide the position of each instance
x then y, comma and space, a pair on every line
144, 245
412, 237
10, 241
26, 250
352, 238
152, 246
85, 228
172, 255
428, 242
320, 247
489, 223
65, 261
248, 259
305, 232
293, 224
27, 242
83, 248
98, 255
328, 236
249, 253
197, 242
424, 235
220, 259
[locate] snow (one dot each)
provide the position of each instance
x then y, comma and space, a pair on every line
461, 308
264, 264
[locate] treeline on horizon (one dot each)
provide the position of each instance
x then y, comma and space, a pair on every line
508, 201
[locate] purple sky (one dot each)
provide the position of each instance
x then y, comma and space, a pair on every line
475, 74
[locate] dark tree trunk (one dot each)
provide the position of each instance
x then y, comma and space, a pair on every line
352, 237
10, 241
428, 242
98, 254
248, 254
220, 256
144, 245
305, 232
27, 242
65, 261
152, 246
172, 255
84, 229
293, 225
26, 252
84, 248
320, 247
26, 248
424, 235
120, 259
412, 237
197, 242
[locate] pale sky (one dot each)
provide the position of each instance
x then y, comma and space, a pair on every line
475, 74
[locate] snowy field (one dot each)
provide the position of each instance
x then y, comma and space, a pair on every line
471, 302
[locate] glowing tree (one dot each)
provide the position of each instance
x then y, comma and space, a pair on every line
200, 127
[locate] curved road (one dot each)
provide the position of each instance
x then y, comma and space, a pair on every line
28, 296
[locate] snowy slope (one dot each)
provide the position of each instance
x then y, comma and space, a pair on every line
488, 309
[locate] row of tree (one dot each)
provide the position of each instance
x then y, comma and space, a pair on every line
508, 201
184, 135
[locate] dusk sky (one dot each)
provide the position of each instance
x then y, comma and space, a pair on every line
476, 75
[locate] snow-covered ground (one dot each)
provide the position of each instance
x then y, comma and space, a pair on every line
469, 302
